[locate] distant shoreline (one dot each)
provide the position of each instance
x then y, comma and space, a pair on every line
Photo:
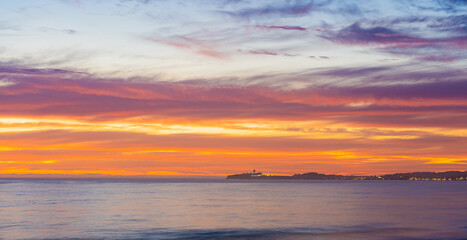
413, 176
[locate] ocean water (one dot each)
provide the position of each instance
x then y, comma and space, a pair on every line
231, 209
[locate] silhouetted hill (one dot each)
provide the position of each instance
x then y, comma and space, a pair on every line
438, 176
426, 175
320, 176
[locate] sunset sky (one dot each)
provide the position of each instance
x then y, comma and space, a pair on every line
226, 86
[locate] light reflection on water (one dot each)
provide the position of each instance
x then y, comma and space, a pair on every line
231, 209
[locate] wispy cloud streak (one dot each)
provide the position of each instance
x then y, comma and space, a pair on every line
292, 8
355, 34
192, 45
266, 27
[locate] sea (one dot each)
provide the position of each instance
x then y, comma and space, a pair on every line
231, 209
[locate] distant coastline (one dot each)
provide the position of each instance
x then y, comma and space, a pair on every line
412, 176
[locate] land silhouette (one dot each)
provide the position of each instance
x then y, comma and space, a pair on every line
414, 176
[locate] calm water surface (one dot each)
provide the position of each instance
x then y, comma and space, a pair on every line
231, 209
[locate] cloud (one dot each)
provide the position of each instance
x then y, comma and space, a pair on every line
451, 25
51, 30
439, 58
267, 52
356, 35
6, 69
43, 92
441, 49
408, 120
295, 28
290, 8
6, 82
433, 90
320, 57
386, 37
214, 153
186, 43
263, 52
448, 6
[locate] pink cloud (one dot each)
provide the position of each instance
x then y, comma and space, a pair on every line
194, 46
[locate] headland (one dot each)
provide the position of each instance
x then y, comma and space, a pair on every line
413, 176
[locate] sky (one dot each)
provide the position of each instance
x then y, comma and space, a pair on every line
210, 88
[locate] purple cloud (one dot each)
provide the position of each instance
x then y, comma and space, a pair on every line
297, 28
386, 37
439, 49
356, 35
424, 90
432, 58
295, 8
38, 92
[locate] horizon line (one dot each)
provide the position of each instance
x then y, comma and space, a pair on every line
180, 176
